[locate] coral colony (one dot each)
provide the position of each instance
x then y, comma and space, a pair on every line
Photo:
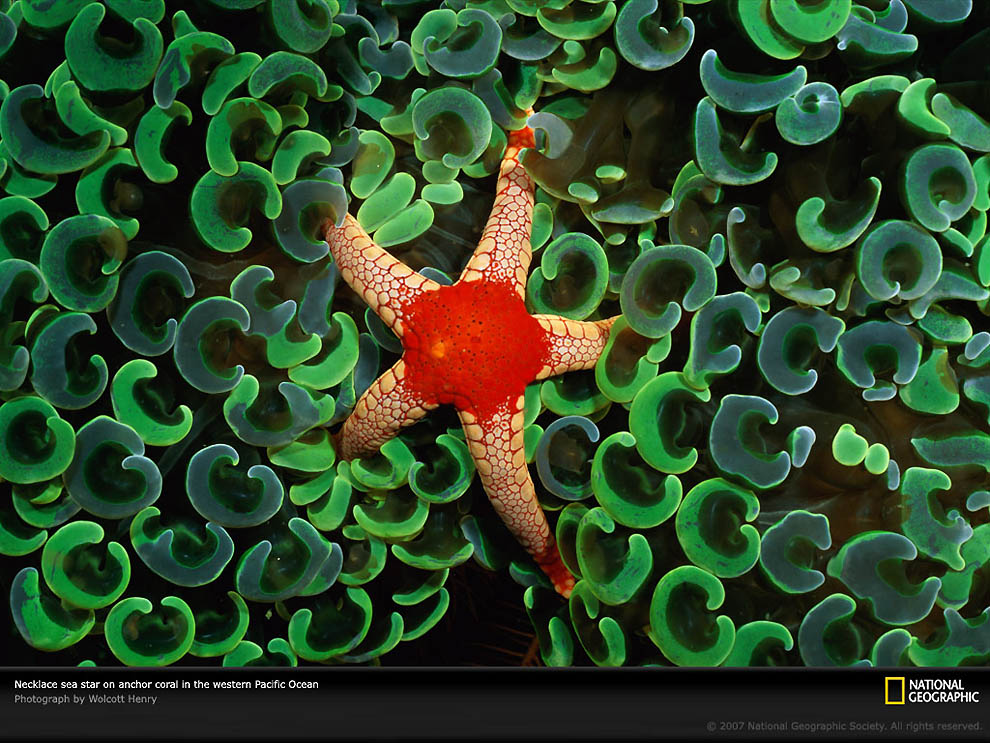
260, 324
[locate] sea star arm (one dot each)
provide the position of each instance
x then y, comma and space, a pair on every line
389, 404
573, 344
504, 253
496, 445
387, 284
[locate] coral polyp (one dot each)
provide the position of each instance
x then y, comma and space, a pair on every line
252, 352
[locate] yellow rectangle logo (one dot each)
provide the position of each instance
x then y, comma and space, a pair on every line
893, 690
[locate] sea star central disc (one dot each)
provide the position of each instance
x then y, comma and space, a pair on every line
472, 345
479, 348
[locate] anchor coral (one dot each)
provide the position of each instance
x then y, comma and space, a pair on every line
775, 454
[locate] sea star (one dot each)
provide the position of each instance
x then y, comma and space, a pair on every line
471, 344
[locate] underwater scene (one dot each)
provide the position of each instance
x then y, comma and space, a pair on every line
698, 289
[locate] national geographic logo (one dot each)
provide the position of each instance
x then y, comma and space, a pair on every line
898, 690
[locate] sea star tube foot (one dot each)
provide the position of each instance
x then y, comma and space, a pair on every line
472, 345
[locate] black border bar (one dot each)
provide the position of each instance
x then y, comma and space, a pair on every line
573, 704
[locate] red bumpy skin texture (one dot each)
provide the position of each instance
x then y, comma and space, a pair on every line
472, 345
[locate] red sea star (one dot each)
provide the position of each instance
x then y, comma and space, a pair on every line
472, 345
